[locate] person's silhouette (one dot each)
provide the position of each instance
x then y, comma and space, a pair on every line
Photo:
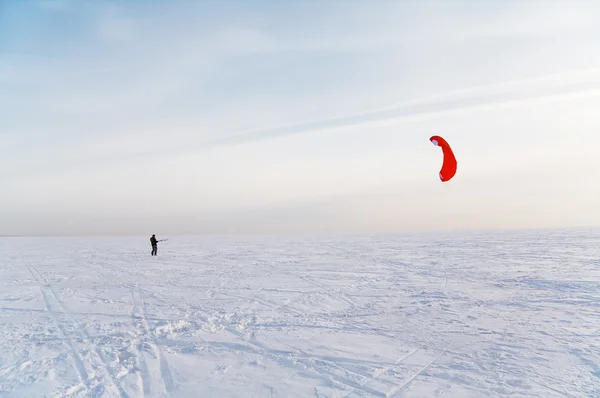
154, 244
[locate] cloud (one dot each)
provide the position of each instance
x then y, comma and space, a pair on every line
127, 148
510, 94
435, 107
113, 26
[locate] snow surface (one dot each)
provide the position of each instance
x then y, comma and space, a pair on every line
477, 315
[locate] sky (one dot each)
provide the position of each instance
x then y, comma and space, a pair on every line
256, 116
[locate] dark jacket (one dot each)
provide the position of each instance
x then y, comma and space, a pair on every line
153, 241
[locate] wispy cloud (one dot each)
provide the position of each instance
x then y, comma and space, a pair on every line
520, 93
112, 25
488, 97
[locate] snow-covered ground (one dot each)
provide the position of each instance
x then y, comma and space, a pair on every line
475, 315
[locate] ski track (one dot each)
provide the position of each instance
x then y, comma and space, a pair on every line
512, 314
144, 377
164, 371
45, 287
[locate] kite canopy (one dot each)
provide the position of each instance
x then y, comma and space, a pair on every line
449, 165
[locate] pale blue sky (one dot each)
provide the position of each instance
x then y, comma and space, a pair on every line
248, 116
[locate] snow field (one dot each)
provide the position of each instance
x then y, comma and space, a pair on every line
475, 315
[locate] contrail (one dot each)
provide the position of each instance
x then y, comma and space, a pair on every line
342, 122
418, 115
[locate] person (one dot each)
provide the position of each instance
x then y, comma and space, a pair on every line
154, 244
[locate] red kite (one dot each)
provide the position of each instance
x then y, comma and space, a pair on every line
449, 165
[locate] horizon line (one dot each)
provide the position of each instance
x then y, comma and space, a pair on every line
317, 233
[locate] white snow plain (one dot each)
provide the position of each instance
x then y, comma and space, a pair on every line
474, 315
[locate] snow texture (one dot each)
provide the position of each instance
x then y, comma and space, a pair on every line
502, 314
